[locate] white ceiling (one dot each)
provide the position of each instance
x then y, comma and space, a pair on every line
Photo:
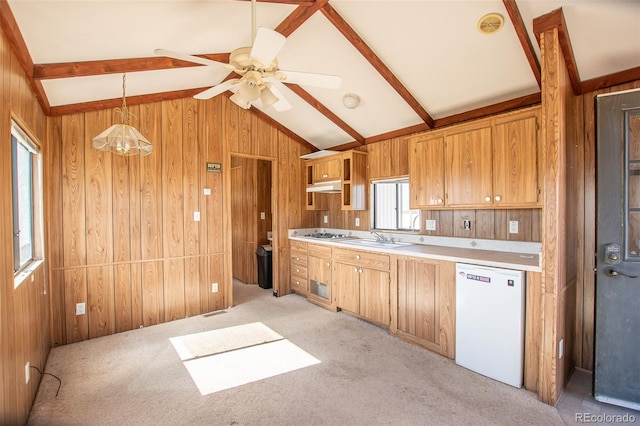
432, 47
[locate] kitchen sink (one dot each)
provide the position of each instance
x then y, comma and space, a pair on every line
377, 243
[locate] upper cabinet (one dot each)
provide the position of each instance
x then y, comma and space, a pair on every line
349, 168
491, 163
327, 169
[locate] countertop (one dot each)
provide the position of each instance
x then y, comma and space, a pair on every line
483, 257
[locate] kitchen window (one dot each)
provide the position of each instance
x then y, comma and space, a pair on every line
26, 171
391, 206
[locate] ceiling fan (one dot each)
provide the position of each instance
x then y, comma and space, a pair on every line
258, 69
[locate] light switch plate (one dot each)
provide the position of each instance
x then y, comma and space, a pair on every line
357, 221
214, 287
326, 219
430, 225
207, 191
196, 216
263, 216
80, 309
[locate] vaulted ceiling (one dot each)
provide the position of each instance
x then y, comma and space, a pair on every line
414, 64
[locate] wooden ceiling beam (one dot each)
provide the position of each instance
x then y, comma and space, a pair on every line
555, 20
615, 79
299, 17
113, 66
326, 112
523, 36
332, 15
20, 50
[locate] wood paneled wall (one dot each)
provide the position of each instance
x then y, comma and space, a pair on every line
129, 247
24, 311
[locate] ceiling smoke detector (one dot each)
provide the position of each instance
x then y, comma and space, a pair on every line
490, 23
351, 100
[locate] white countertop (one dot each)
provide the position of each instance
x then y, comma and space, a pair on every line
525, 260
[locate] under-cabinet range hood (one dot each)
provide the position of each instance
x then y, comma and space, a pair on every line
332, 186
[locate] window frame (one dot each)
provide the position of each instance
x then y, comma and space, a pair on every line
20, 139
398, 205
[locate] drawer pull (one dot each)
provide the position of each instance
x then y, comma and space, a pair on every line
297, 270
498, 198
328, 263
297, 258
357, 257
487, 199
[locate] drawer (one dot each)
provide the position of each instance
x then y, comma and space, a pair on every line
362, 258
299, 284
323, 252
299, 270
299, 260
298, 246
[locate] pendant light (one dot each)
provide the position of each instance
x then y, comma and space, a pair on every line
123, 139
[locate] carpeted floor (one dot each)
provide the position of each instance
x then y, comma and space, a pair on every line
365, 377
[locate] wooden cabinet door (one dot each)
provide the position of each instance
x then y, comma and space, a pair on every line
329, 169
426, 172
374, 295
319, 269
469, 168
515, 166
346, 286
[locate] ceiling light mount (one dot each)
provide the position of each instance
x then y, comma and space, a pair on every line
490, 23
351, 100
123, 139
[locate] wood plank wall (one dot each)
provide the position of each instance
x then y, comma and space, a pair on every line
24, 311
129, 247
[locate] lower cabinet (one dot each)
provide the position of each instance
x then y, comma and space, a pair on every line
362, 284
298, 262
319, 272
424, 296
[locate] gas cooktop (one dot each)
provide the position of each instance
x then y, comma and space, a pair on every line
326, 235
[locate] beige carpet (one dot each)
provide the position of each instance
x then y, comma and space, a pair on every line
364, 377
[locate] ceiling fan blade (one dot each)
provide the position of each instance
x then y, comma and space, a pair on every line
217, 89
267, 45
188, 58
310, 79
282, 104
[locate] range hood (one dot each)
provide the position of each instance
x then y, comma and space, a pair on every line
332, 186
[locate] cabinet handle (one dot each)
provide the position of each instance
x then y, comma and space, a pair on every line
360, 271
328, 263
487, 199
498, 198
297, 270
357, 257
297, 282
297, 258
355, 269
439, 200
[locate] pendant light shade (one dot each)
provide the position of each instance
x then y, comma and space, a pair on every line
123, 139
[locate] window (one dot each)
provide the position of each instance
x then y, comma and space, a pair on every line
27, 199
391, 206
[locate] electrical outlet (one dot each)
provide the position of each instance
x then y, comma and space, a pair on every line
430, 225
326, 219
27, 372
357, 221
214, 287
207, 191
263, 216
467, 225
80, 309
196, 216
513, 226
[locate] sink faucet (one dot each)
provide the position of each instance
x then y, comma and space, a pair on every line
379, 237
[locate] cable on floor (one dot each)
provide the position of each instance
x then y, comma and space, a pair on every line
49, 374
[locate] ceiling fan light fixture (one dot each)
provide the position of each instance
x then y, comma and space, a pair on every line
249, 90
240, 100
123, 139
267, 97
351, 100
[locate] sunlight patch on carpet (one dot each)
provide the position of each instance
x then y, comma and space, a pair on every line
233, 356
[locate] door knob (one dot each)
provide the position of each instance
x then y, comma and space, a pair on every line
611, 272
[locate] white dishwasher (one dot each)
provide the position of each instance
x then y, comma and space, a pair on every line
490, 322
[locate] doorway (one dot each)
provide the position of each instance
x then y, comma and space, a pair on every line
617, 325
251, 214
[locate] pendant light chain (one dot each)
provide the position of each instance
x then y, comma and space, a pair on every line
124, 113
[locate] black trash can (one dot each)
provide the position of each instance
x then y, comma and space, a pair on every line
263, 254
